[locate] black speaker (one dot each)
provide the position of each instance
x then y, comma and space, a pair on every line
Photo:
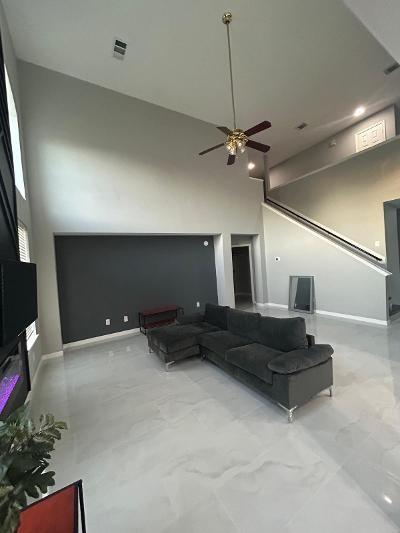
18, 298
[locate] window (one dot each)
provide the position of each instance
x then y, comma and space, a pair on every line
15, 138
25, 256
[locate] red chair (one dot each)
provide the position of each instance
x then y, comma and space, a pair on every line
56, 513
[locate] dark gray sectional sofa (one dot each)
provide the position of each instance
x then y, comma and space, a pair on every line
272, 355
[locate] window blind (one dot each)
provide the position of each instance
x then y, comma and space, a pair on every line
25, 256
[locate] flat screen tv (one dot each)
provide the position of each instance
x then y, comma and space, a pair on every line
18, 298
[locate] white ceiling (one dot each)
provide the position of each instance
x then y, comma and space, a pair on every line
382, 19
293, 60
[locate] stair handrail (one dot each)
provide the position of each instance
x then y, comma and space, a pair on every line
322, 229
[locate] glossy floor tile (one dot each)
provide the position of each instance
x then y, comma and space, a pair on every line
194, 450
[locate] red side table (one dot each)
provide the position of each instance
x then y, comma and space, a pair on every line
158, 316
56, 513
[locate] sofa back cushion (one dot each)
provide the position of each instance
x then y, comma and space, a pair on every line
244, 324
284, 334
216, 315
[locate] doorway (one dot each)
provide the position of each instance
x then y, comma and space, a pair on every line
392, 238
242, 275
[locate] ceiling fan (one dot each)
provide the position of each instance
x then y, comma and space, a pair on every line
237, 139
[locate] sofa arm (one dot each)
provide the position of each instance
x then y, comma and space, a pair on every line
310, 340
190, 319
298, 360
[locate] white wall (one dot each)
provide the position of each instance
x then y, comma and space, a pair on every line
102, 162
343, 284
23, 207
348, 198
325, 153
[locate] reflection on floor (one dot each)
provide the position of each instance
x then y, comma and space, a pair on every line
193, 450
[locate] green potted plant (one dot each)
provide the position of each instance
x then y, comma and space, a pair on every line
25, 452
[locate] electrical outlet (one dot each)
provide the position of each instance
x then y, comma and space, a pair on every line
377, 244
108, 321
125, 318
197, 304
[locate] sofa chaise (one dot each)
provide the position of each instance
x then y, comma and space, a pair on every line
272, 355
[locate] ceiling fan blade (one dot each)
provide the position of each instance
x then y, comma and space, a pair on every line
259, 127
258, 146
211, 149
231, 159
224, 129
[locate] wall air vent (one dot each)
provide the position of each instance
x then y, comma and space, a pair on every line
391, 69
301, 126
119, 49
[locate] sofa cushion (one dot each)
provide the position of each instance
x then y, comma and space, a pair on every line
173, 338
254, 359
284, 334
244, 323
216, 315
221, 341
192, 318
297, 360
205, 327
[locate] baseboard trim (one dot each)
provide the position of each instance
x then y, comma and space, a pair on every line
280, 306
100, 339
353, 317
52, 355
335, 315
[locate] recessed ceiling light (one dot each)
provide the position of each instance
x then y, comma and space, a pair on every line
360, 110
251, 165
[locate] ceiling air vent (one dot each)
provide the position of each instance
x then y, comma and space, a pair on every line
119, 49
391, 69
301, 126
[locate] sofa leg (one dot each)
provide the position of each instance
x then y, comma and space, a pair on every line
331, 391
290, 416
168, 365
289, 412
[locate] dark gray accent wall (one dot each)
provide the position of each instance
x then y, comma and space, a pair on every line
103, 277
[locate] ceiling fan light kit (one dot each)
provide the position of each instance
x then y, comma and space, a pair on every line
237, 139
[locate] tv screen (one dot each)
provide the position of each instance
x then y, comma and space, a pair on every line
18, 298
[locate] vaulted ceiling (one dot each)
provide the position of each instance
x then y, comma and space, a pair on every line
293, 61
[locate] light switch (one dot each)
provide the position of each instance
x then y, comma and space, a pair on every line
125, 318
108, 321
197, 304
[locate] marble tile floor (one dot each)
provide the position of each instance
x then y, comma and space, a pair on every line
193, 450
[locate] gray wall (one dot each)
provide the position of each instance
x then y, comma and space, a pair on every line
103, 277
343, 284
101, 162
322, 154
349, 197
